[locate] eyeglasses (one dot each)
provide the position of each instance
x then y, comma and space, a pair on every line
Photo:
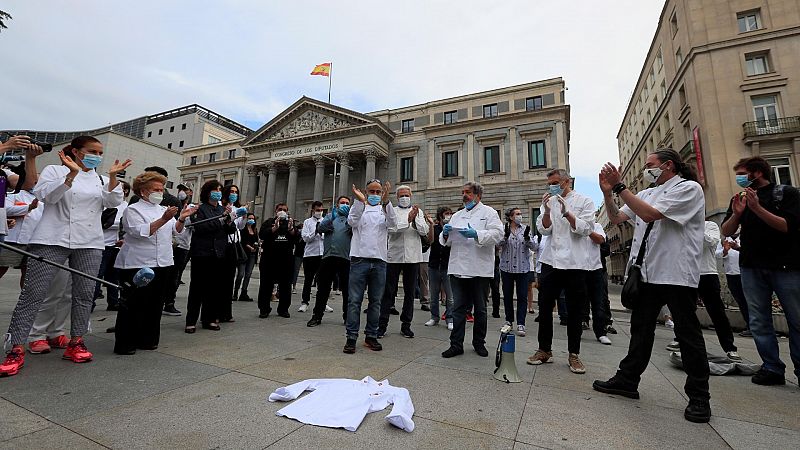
374, 180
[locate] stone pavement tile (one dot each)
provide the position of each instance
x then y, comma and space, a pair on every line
523, 446
747, 435
375, 432
54, 437
459, 398
471, 362
229, 411
61, 390
326, 362
555, 418
16, 421
398, 346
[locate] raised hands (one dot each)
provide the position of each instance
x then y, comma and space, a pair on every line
69, 163
188, 211
118, 167
169, 213
387, 188
359, 195
609, 176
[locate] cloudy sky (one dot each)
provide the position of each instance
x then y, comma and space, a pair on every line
81, 64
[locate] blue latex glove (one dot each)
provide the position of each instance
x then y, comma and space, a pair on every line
241, 211
469, 232
446, 230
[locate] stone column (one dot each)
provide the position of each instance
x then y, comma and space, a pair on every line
252, 185
269, 197
344, 177
319, 177
371, 155
291, 191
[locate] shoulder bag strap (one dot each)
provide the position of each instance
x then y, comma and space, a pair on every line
640, 256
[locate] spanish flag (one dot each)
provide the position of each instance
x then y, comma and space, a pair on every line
322, 69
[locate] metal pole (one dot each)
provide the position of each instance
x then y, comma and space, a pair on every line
333, 197
60, 266
330, 81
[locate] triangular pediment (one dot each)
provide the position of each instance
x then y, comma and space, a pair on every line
308, 118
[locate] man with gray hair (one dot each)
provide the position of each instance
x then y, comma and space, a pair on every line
404, 255
567, 217
471, 234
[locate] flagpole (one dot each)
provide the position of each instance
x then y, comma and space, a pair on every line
330, 80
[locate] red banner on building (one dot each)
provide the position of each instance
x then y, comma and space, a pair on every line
698, 152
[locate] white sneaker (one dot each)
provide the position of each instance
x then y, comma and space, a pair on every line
431, 323
734, 356
450, 326
328, 308
674, 346
604, 340
303, 308
669, 324
506, 324
521, 330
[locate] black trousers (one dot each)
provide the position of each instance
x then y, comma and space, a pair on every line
551, 282
682, 304
494, 284
205, 290
139, 318
709, 291
331, 268
270, 275
597, 291
410, 273
181, 257
469, 293
310, 269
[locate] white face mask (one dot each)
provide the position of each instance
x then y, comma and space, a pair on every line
651, 175
518, 219
317, 214
282, 214
181, 196
447, 218
155, 197
404, 202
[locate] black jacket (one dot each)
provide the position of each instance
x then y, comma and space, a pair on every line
209, 238
278, 247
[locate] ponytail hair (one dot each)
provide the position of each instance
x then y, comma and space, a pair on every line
683, 169
77, 144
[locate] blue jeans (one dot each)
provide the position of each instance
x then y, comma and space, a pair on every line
439, 280
365, 274
521, 281
758, 286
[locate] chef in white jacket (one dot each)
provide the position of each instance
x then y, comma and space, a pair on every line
312, 254
471, 234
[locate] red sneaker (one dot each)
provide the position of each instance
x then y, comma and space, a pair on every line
470, 319
444, 316
15, 359
77, 352
58, 342
40, 346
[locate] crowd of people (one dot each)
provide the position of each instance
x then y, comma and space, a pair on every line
365, 245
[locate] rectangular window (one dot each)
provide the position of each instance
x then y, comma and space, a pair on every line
534, 217
258, 185
212, 157
659, 60
757, 63
450, 117
536, 155
749, 21
160, 131
170, 184
408, 126
663, 89
172, 129
407, 169
682, 96
450, 164
490, 110
781, 171
765, 109
169, 145
673, 23
180, 144
232, 153
678, 58
183, 127
533, 103
491, 159
228, 182
193, 160
149, 134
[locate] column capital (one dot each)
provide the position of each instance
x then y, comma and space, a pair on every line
270, 167
292, 164
371, 154
319, 161
253, 170
344, 157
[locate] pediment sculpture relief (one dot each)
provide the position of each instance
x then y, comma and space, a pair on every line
309, 122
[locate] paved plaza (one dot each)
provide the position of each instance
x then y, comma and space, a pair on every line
208, 390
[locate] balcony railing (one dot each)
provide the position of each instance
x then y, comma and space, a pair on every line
772, 126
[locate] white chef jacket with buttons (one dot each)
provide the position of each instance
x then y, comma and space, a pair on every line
711, 239
343, 403
315, 242
473, 258
675, 245
730, 261
405, 246
17, 208
370, 226
72, 216
141, 249
569, 248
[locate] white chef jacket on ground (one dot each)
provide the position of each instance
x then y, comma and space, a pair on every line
343, 403
711, 238
474, 258
596, 263
405, 245
370, 226
72, 216
675, 244
17, 208
111, 234
730, 261
569, 249
141, 249
315, 243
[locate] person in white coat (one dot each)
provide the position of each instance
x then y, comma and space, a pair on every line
472, 234
728, 252
312, 253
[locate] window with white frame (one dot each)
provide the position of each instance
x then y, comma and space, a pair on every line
749, 21
757, 63
537, 157
765, 111
781, 171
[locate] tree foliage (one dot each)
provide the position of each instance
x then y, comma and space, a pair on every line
3, 17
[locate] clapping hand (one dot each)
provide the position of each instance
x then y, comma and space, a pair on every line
387, 187
739, 203
118, 167
33, 205
359, 195
412, 215
446, 229
188, 211
69, 162
169, 213
563, 205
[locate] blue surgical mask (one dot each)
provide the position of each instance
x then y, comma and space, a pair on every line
743, 181
470, 204
555, 189
251, 222
233, 197
374, 200
344, 209
91, 161
215, 196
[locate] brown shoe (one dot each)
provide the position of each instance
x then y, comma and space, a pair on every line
540, 357
575, 364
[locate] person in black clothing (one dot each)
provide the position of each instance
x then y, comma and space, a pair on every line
250, 244
437, 271
208, 255
278, 235
234, 253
